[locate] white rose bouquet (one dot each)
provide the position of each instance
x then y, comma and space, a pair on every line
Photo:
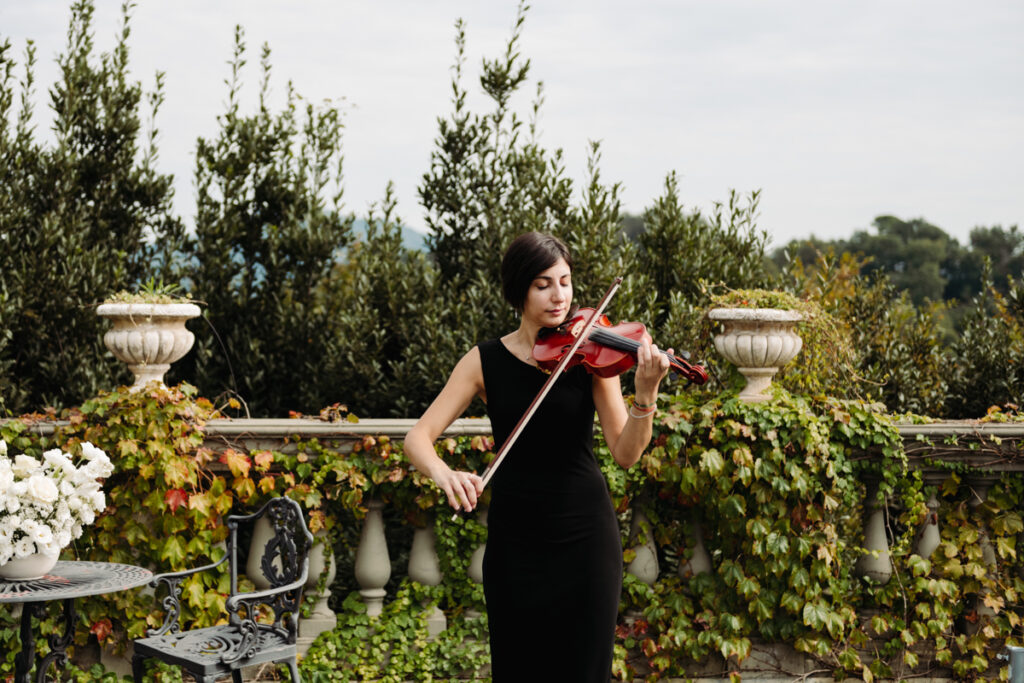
44, 505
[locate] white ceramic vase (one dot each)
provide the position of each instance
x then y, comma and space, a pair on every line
148, 337
758, 341
35, 566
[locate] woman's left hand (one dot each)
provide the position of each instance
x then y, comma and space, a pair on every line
651, 368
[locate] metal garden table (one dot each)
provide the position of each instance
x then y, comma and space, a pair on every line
65, 582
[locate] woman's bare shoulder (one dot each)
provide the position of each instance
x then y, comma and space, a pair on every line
470, 370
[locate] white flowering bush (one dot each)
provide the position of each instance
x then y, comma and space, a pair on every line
44, 504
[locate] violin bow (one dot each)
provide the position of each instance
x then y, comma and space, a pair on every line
521, 425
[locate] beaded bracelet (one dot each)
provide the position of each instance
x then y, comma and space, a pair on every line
641, 415
645, 406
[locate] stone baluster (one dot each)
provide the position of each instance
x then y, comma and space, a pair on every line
321, 617
929, 537
373, 564
980, 485
700, 561
645, 562
262, 532
425, 568
876, 564
321, 556
476, 561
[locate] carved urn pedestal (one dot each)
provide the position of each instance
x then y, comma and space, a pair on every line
758, 341
148, 337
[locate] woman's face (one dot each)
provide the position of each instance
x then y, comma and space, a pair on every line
550, 295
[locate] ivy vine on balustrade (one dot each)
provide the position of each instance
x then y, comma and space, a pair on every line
780, 491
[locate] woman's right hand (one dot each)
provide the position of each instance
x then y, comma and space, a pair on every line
462, 488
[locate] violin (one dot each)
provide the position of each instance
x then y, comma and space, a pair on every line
608, 350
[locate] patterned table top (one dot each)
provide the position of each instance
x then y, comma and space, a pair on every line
75, 580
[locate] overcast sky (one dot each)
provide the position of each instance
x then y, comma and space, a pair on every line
836, 111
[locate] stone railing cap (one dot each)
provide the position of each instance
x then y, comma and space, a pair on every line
175, 310
757, 314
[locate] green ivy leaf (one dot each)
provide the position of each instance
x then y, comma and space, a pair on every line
173, 551
712, 462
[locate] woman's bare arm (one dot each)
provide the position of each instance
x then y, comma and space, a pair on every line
465, 383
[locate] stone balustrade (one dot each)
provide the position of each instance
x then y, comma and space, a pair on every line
984, 450
980, 451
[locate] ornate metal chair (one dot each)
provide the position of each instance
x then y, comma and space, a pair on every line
209, 653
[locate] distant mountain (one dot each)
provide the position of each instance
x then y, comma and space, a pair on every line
414, 239
411, 239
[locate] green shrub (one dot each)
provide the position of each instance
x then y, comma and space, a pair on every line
269, 229
987, 369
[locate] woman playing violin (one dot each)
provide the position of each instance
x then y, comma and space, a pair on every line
553, 557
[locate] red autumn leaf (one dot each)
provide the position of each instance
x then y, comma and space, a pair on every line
175, 498
101, 629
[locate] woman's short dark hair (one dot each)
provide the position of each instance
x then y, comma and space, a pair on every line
528, 256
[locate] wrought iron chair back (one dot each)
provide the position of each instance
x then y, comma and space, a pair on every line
215, 651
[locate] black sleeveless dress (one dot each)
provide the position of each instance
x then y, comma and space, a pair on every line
553, 563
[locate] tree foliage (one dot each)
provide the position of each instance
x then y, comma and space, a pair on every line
81, 217
302, 310
988, 371
269, 229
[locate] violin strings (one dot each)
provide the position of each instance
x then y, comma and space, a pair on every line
620, 343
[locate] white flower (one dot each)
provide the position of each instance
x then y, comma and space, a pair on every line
87, 487
42, 488
25, 465
42, 534
24, 547
59, 461
91, 452
45, 502
97, 469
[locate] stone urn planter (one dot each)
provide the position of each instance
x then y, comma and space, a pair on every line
148, 336
758, 341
